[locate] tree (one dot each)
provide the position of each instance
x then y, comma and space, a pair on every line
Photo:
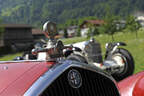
133, 25
1, 30
65, 33
110, 22
109, 27
95, 31
78, 32
89, 33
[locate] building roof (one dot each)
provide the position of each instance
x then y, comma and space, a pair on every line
37, 32
93, 22
15, 26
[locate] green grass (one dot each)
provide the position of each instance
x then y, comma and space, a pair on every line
9, 57
135, 46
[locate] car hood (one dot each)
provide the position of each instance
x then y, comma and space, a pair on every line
132, 86
16, 78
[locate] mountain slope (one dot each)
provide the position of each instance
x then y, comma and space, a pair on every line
38, 11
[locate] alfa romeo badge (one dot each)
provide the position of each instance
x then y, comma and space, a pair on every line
74, 78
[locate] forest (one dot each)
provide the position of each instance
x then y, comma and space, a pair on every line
36, 12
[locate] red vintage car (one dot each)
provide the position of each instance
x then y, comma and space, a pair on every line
34, 78
132, 86
53, 75
67, 78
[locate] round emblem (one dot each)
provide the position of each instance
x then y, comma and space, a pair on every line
74, 78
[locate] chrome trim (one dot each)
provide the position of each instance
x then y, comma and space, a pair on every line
52, 74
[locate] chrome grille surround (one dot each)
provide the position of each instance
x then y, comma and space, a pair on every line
52, 74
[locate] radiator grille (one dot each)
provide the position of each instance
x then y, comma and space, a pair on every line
93, 84
93, 52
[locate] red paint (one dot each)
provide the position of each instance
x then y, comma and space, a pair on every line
132, 86
139, 87
16, 78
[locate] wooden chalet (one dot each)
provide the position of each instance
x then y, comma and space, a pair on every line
86, 24
16, 36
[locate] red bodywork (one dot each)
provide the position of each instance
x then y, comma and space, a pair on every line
16, 78
132, 86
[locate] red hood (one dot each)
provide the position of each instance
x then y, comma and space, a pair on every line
133, 85
16, 78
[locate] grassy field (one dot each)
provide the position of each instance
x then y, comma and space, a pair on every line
135, 46
9, 57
